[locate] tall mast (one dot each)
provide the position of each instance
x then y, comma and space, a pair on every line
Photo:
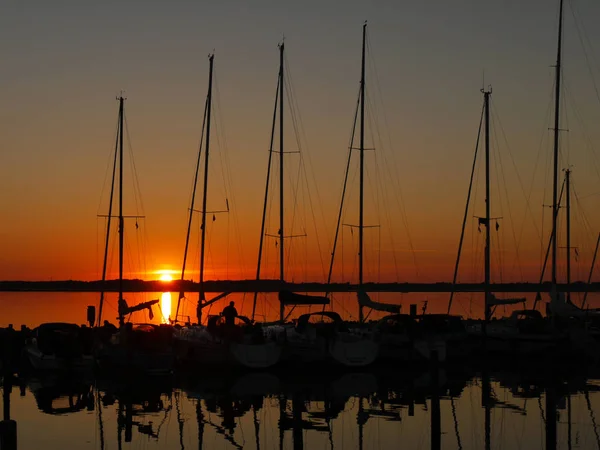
362, 171
486, 96
568, 182
121, 221
556, 134
281, 229
201, 297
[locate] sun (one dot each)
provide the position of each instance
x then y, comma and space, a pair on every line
165, 275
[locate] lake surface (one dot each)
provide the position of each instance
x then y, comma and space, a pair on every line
427, 410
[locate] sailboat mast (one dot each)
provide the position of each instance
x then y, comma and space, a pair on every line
121, 221
281, 211
556, 134
486, 96
362, 172
568, 182
201, 297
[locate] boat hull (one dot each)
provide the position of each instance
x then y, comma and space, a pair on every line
200, 352
118, 358
44, 362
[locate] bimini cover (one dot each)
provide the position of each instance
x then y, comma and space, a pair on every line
505, 301
365, 300
291, 298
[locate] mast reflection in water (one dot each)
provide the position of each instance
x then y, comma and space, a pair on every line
442, 408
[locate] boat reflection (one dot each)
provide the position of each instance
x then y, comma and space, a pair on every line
62, 396
433, 408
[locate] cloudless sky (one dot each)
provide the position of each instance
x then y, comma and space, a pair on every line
63, 63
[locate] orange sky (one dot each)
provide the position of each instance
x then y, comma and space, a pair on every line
58, 118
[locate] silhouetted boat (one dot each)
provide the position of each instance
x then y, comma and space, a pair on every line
218, 343
60, 347
140, 348
525, 332
304, 342
402, 339
328, 339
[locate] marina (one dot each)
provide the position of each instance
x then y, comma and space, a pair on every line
335, 335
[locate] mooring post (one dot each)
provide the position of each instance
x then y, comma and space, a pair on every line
8, 427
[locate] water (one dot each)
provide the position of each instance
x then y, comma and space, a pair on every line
273, 411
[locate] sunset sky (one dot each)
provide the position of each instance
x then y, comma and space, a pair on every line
64, 62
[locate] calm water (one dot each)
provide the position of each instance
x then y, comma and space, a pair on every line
268, 411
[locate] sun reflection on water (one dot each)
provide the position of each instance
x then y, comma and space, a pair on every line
165, 306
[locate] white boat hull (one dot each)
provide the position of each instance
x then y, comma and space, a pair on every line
256, 356
44, 362
355, 353
200, 348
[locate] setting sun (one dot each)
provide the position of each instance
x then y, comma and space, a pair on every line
165, 274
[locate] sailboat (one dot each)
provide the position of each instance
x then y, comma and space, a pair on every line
138, 348
219, 342
396, 336
317, 337
60, 346
526, 332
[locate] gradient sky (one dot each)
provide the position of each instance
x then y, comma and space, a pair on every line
63, 63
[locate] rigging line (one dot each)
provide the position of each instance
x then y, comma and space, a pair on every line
579, 118
548, 160
545, 259
454, 418
191, 211
296, 122
592, 416
224, 165
137, 190
296, 190
466, 214
585, 220
108, 221
108, 166
565, 155
294, 102
312, 211
510, 215
401, 202
379, 186
343, 195
527, 196
228, 183
585, 53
